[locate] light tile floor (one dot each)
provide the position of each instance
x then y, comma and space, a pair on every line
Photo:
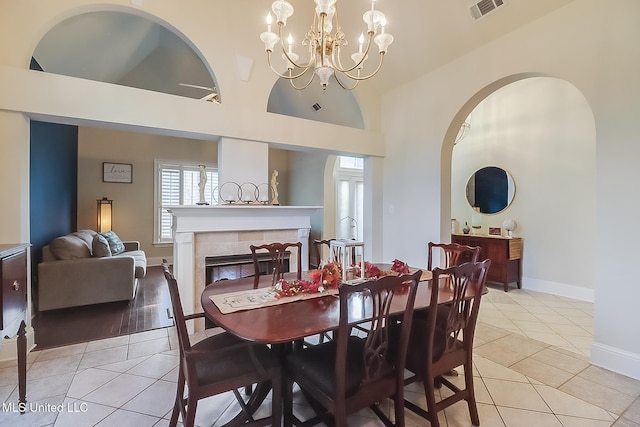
531, 369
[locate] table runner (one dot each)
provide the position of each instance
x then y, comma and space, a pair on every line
258, 298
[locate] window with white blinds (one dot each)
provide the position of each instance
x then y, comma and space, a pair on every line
177, 184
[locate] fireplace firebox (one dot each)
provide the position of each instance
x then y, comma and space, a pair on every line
237, 266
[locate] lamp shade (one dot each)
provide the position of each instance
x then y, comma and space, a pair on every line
105, 214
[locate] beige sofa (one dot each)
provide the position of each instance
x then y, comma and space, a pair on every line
71, 274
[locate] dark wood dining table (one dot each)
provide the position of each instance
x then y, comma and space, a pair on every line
283, 324
288, 322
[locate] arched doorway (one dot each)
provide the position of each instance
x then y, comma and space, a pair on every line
542, 131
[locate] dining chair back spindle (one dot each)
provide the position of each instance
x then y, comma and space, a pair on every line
218, 364
279, 256
444, 341
353, 372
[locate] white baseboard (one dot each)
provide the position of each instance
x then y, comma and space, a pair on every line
560, 289
9, 348
616, 360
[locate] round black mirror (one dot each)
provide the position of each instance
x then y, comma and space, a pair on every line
491, 189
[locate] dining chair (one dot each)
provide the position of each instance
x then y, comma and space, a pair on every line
440, 343
454, 254
278, 253
218, 364
318, 245
351, 372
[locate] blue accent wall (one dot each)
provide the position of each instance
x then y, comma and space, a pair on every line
53, 183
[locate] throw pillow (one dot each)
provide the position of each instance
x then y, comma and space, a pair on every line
86, 236
115, 244
69, 247
100, 246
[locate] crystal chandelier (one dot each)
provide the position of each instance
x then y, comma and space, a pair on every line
324, 42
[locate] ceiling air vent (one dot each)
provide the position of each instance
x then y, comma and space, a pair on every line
316, 107
485, 7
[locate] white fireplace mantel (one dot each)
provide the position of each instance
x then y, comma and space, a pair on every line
191, 220
198, 219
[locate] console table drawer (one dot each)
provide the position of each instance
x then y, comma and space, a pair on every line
13, 271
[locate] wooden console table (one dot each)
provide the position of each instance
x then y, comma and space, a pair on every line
505, 254
13, 300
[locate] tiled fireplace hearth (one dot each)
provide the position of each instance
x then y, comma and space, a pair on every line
208, 231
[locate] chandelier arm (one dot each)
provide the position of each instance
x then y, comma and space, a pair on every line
338, 62
335, 76
370, 75
305, 86
285, 76
284, 51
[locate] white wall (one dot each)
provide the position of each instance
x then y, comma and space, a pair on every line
593, 47
541, 131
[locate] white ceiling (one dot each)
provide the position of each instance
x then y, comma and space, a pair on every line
126, 49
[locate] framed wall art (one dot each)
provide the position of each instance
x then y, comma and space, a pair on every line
117, 172
495, 231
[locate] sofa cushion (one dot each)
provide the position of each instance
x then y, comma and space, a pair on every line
139, 262
69, 247
100, 246
115, 244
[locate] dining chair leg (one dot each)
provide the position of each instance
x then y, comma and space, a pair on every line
173, 422
190, 417
429, 391
340, 418
398, 405
437, 382
471, 395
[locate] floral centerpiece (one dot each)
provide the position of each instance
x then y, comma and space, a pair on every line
285, 288
373, 271
329, 277
370, 271
400, 267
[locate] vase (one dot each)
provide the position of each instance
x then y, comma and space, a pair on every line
466, 228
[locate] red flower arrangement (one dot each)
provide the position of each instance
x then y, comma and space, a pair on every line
285, 288
329, 277
370, 270
400, 267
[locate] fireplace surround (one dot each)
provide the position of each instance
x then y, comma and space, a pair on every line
205, 231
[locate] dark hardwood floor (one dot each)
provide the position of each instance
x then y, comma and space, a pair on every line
148, 310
